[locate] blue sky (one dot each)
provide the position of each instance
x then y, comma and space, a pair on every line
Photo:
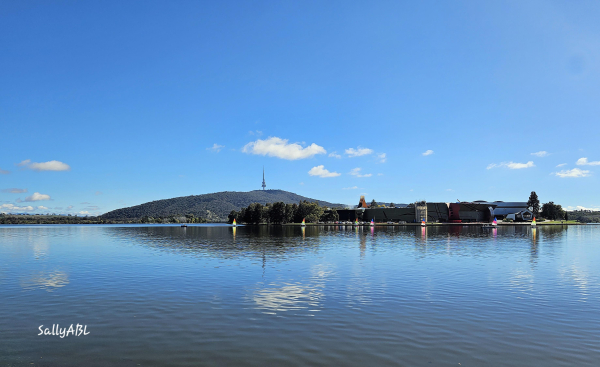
111, 104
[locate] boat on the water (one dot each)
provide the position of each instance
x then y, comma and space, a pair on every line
234, 222
493, 225
303, 222
372, 222
533, 222
423, 224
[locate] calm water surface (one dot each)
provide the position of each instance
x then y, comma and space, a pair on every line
213, 296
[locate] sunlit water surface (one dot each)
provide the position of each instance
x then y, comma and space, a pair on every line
214, 295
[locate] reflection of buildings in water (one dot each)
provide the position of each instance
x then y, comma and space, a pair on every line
48, 281
363, 243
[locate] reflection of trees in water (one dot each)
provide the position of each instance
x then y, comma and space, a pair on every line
219, 241
275, 242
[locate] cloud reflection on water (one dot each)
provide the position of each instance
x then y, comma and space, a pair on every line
48, 281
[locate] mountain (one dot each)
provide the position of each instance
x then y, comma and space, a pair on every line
214, 207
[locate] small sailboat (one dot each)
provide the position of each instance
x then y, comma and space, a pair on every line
234, 222
423, 224
356, 221
372, 222
533, 222
303, 222
493, 225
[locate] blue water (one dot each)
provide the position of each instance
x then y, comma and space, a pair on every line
209, 296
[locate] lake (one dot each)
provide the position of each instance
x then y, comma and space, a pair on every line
212, 295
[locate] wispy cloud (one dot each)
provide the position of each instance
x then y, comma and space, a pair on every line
585, 162
44, 166
351, 152
216, 148
320, 171
37, 197
382, 157
512, 165
575, 172
280, 148
427, 152
350, 188
41, 207
4, 172
335, 155
98, 193
255, 133
15, 191
541, 153
356, 172
560, 165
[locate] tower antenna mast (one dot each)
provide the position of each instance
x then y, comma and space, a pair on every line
264, 184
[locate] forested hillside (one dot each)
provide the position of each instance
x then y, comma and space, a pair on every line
212, 207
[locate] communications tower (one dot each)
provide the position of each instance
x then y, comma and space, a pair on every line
264, 184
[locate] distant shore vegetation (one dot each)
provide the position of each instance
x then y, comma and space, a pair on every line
281, 213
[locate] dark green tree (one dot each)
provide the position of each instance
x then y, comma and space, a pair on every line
534, 203
373, 204
290, 209
552, 211
277, 212
566, 215
233, 215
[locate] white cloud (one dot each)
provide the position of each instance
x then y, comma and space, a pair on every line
3, 172
575, 172
427, 152
83, 212
541, 153
356, 172
320, 171
70, 207
45, 166
37, 197
256, 132
216, 148
382, 157
41, 207
584, 162
560, 165
277, 147
5, 208
15, 191
358, 152
334, 155
380, 174
350, 188
512, 165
